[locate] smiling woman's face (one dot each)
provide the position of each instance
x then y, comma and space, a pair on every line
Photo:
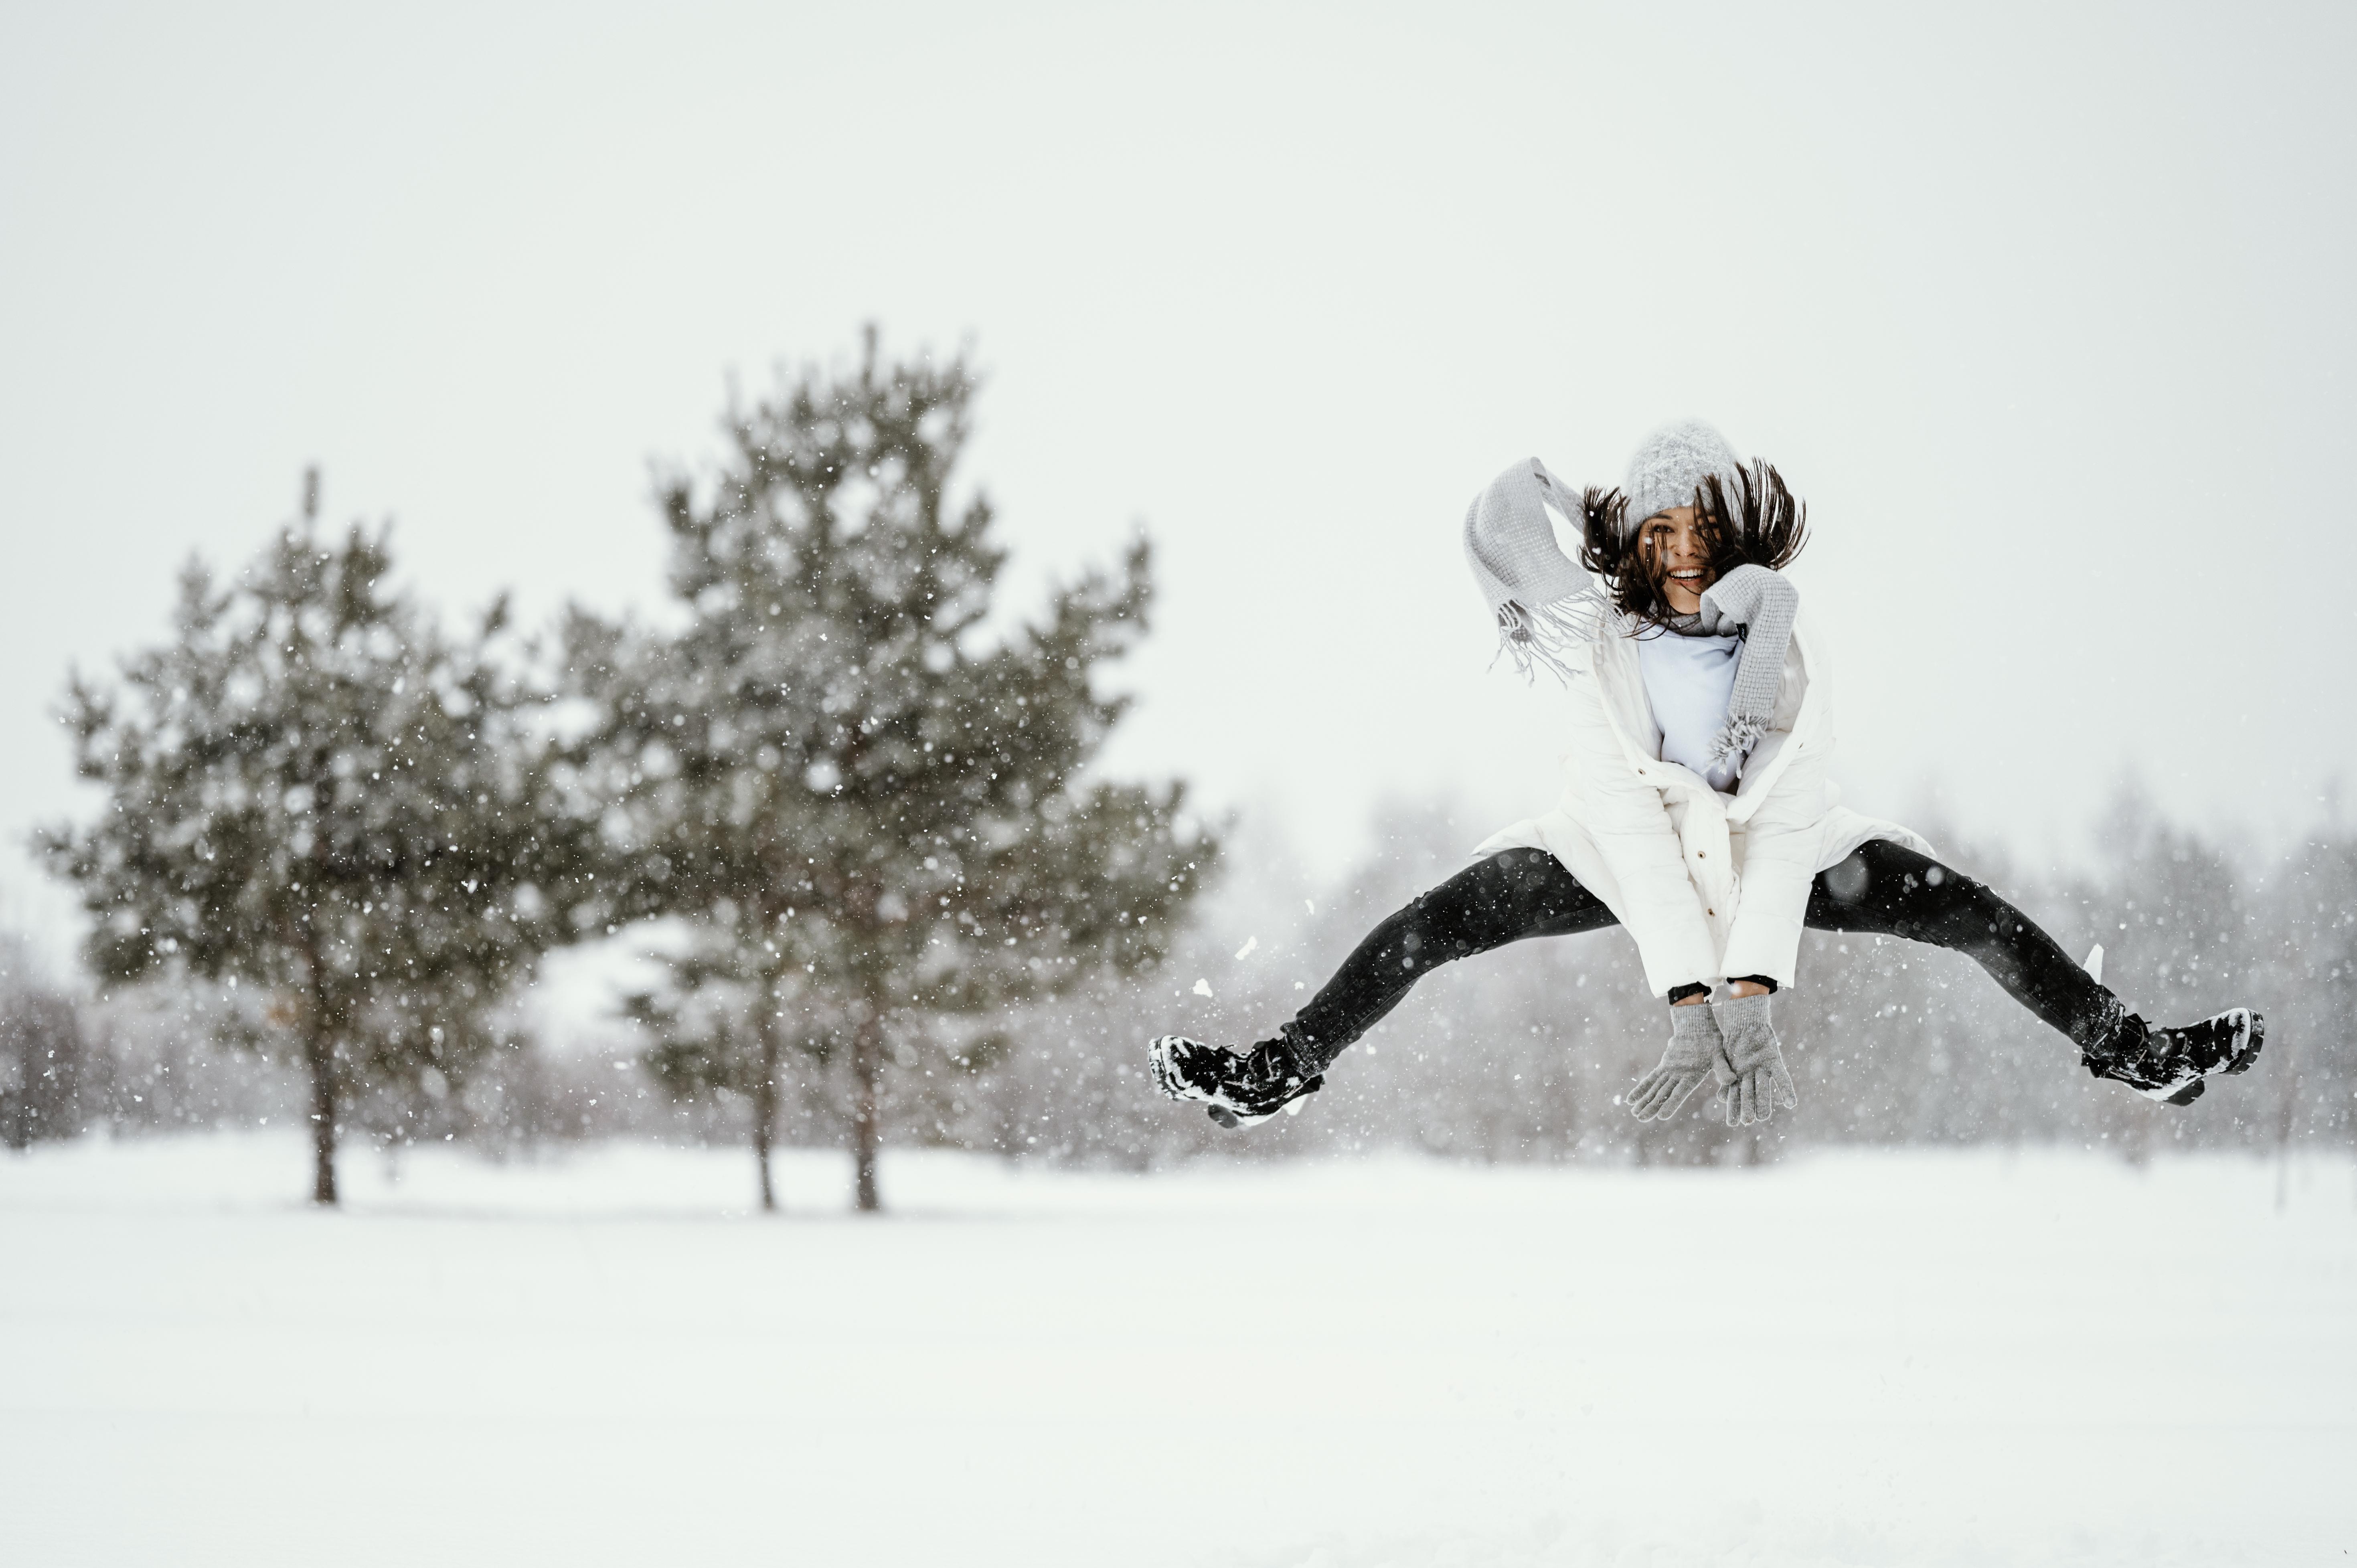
1676, 550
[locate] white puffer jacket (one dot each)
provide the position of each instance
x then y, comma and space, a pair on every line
1709, 884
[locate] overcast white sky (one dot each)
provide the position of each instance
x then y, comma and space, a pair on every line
2045, 310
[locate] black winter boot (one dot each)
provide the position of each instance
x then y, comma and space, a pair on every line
1239, 1089
2170, 1065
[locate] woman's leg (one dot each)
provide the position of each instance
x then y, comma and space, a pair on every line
1887, 890
1509, 896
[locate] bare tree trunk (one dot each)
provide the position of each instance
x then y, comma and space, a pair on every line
867, 1067
319, 1056
764, 1111
765, 1093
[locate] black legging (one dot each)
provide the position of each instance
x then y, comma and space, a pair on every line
1884, 890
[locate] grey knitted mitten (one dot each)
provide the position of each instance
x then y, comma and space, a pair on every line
1761, 1082
1695, 1054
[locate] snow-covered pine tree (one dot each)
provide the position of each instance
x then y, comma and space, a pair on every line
312, 790
867, 803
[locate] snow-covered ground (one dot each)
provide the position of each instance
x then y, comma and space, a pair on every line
1889, 1359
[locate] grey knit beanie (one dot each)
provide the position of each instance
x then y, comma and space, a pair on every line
1672, 463
1540, 597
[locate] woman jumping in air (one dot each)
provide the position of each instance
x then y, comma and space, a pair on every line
1697, 810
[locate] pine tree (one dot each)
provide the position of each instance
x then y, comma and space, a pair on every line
869, 810
313, 791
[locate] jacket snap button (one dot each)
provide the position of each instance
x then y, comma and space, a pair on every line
1701, 855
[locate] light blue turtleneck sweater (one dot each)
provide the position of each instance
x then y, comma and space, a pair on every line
1688, 682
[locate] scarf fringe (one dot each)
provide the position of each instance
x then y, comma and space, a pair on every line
1741, 733
1545, 638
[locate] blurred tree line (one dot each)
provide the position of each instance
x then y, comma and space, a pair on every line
1521, 1054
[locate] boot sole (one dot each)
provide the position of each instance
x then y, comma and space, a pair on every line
1166, 1076
2253, 1027
1233, 1119
2254, 1030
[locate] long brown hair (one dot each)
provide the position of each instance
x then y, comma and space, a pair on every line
1762, 525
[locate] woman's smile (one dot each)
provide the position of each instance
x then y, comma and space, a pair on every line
1680, 542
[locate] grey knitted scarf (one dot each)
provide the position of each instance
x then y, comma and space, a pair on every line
1759, 606
1545, 605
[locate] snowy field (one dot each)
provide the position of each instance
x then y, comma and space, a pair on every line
1898, 1358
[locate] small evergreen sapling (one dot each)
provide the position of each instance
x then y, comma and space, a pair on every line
870, 807
313, 792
